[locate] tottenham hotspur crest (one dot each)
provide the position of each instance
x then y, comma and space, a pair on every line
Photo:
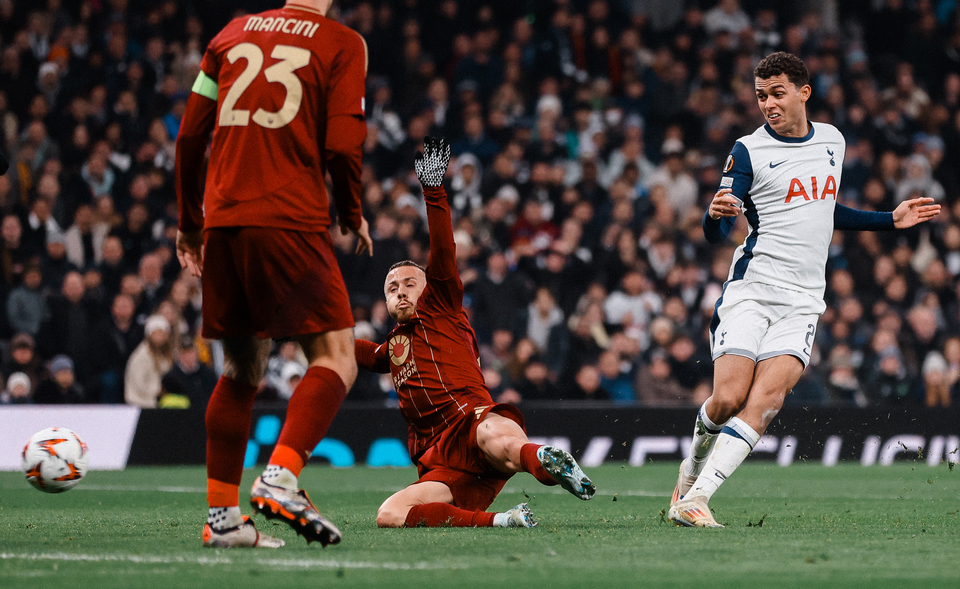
830, 153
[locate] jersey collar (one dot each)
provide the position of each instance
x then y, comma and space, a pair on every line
302, 7
784, 139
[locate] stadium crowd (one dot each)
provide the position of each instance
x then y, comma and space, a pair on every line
588, 138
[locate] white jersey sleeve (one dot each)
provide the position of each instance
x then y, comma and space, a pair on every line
789, 188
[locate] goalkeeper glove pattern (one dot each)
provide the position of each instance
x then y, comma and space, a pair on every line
431, 165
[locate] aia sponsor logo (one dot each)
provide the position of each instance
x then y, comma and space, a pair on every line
807, 190
399, 349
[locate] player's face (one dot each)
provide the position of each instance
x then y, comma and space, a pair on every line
783, 104
403, 288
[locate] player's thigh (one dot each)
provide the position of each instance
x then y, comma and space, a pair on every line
245, 358
500, 439
330, 347
393, 512
420, 493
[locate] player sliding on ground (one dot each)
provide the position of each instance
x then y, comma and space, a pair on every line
786, 178
465, 446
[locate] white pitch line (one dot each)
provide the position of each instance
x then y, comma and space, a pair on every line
166, 489
223, 560
141, 488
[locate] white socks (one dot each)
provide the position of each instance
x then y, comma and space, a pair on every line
705, 434
279, 476
224, 518
501, 520
733, 445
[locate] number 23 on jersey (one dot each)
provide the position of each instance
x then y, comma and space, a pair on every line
291, 59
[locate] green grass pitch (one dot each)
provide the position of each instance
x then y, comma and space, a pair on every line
801, 526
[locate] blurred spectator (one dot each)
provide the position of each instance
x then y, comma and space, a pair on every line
114, 340
26, 304
84, 239
543, 315
18, 390
71, 320
656, 385
189, 377
586, 385
936, 381
155, 288
634, 306
889, 383
842, 383
615, 379
22, 357
61, 386
148, 363
535, 383
498, 297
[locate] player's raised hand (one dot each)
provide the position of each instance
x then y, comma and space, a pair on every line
914, 211
724, 204
431, 165
364, 243
190, 251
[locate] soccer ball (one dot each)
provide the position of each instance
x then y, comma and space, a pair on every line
54, 460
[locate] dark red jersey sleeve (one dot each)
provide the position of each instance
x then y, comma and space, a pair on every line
443, 278
344, 152
348, 78
372, 357
195, 129
346, 129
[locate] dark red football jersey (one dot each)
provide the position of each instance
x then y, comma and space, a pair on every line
280, 76
433, 358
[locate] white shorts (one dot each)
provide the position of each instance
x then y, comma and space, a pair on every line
761, 321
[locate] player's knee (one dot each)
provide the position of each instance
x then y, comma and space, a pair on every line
721, 409
347, 369
390, 517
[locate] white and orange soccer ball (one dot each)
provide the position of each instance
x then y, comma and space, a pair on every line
54, 460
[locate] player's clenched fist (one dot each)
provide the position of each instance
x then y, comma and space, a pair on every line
431, 165
724, 204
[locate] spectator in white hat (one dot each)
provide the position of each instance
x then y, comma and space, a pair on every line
148, 363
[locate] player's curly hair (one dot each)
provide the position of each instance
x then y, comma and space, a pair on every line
782, 62
402, 263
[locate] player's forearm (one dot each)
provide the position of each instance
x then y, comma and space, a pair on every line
344, 150
195, 128
443, 249
845, 218
716, 230
367, 357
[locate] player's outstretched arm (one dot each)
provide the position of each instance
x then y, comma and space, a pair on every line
371, 356
431, 166
914, 211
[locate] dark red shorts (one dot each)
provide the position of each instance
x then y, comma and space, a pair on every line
456, 460
271, 283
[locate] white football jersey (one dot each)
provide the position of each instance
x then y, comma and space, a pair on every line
789, 188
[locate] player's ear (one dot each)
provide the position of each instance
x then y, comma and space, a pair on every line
805, 92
